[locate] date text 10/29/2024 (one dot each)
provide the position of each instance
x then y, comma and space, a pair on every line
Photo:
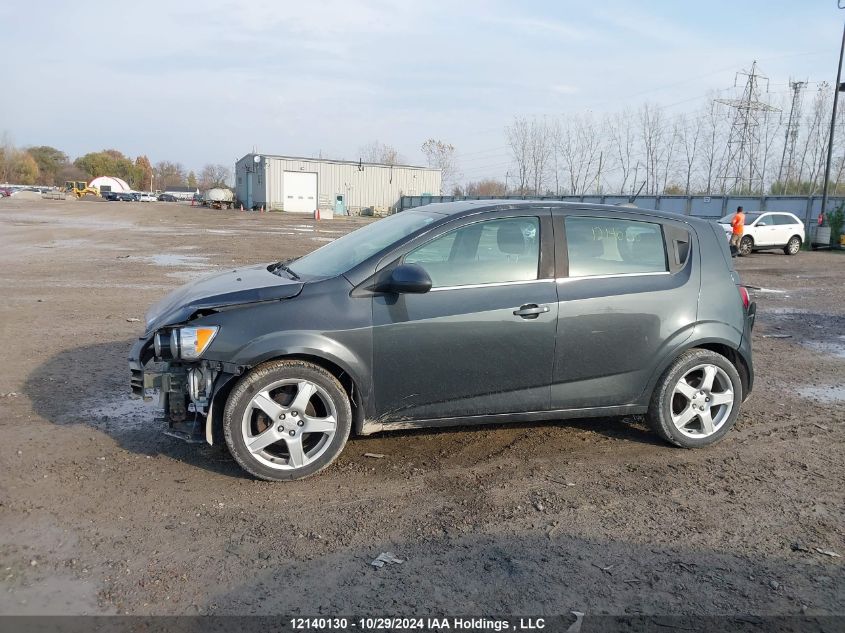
416, 624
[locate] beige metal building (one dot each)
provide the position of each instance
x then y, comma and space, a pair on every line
288, 183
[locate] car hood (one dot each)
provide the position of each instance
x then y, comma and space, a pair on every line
241, 286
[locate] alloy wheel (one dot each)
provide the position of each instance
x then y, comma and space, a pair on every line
745, 246
289, 424
702, 401
793, 246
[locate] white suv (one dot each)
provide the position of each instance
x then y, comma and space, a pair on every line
773, 229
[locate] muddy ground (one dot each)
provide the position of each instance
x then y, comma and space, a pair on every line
101, 513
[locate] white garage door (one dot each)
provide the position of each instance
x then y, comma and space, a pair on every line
300, 191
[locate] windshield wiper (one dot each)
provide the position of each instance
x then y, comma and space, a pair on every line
283, 266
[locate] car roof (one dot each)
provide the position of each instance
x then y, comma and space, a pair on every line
468, 207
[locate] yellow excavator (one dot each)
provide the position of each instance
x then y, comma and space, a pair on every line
80, 188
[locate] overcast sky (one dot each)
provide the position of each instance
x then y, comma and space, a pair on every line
204, 82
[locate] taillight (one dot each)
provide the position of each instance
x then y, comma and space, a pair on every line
743, 293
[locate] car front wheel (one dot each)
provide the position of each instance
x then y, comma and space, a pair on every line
697, 399
793, 245
746, 244
286, 419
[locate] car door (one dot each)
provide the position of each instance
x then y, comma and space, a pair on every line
765, 230
628, 295
786, 228
481, 341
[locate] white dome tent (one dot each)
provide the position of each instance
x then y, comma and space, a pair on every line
117, 184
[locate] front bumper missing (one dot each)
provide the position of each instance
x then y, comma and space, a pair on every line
185, 391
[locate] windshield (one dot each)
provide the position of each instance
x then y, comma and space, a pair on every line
350, 250
749, 218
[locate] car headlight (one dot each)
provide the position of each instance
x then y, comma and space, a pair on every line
187, 343
193, 341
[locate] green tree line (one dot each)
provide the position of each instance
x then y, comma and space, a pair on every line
48, 166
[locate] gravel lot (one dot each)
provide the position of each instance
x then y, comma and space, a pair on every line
101, 513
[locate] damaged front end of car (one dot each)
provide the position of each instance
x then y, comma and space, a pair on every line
168, 366
175, 360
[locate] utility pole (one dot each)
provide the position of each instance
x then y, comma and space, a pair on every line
791, 135
741, 167
836, 89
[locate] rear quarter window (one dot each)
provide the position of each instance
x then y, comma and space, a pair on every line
609, 246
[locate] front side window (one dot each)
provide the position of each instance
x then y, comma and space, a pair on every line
607, 246
485, 252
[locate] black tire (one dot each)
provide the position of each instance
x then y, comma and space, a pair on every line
260, 378
792, 246
746, 245
659, 416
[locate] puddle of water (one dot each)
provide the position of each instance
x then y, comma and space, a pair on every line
826, 347
121, 411
770, 291
177, 259
825, 393
223, 232
187, 275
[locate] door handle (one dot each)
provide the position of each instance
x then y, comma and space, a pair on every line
530, 311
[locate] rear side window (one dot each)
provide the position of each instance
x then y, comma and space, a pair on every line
607, 246
783, 219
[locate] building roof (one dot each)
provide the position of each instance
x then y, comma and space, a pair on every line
337, 162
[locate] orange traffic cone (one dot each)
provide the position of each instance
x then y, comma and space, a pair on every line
262, 208
242, 206
316, 214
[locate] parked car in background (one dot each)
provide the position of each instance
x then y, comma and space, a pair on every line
166, 197
463, 313
769, 230
147, 197
5, 192
120, 196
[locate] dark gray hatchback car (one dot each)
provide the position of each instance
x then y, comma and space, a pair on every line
453, 314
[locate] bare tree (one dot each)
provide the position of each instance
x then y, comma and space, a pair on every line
441, 155
169, 174
486, 187
377, 152
519, 141
690, 131
711, 147
580, 149
539, 154
652, 135
620, 131
671, 138
213, 176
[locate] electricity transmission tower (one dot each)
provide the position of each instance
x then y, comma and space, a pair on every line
791, 134
741, 171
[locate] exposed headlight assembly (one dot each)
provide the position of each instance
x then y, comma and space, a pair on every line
186, 343
193, 341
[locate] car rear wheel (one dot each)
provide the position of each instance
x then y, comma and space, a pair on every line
746, 244
697, 399
286, 420
793, 245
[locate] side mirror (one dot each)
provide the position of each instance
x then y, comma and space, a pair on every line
762, 224
407, 279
